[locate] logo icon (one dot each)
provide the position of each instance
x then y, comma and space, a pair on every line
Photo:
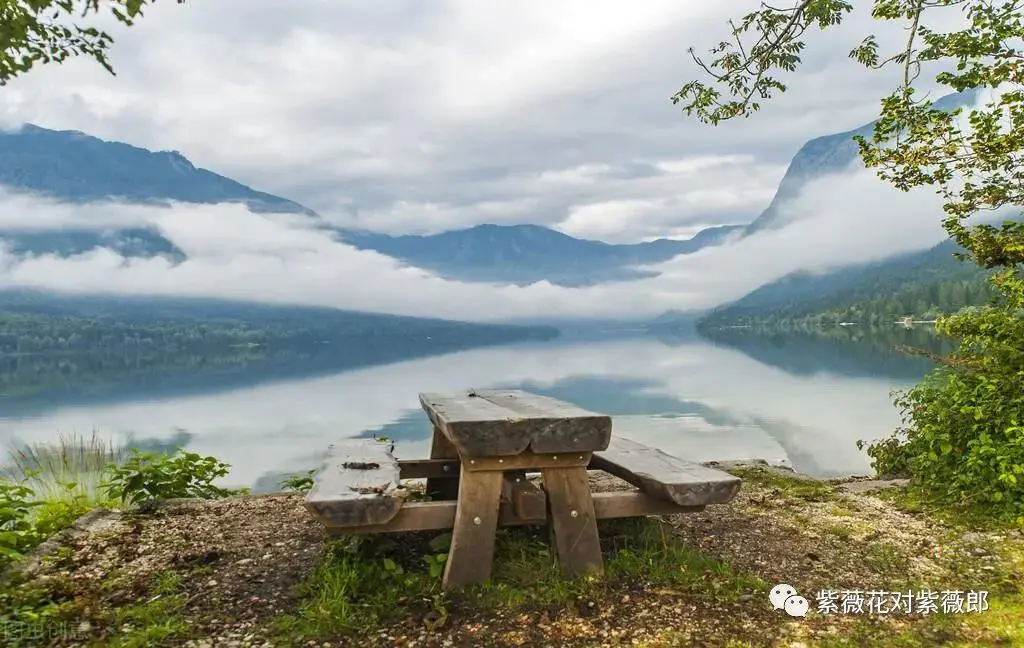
784, 597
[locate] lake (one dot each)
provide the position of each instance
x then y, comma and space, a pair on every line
795, 399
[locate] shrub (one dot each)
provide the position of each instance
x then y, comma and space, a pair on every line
962, 437
17, 533
149, 476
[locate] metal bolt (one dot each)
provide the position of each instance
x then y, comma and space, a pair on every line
555, 457
581, 457
472, 461
573, 513
445, 468
476, 520
501, 461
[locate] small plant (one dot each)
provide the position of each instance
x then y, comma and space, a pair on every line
146, 476
435, 564
59, 512
299, 482
17, 533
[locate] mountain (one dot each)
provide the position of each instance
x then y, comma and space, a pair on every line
128, 242
674, 322
74, 167
524, 254
826, 155
920, 284
71, 166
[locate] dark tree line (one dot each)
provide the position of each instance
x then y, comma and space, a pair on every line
877, 304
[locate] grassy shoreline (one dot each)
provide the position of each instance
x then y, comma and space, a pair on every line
256, 570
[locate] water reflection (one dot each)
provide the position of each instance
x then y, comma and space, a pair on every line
698, 400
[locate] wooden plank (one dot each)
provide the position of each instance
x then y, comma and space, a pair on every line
528, 502
660, 474
573, 520
427, 468
473, 531
440, 516
443, 487
528, 461
625, 504
500, 423
565, 427
477, 427
357, 484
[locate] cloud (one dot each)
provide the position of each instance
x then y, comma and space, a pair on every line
417, 117
233, 253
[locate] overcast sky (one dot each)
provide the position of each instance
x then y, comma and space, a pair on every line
412, 117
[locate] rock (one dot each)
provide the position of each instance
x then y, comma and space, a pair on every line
745, 598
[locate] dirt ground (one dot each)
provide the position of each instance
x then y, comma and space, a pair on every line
238, 561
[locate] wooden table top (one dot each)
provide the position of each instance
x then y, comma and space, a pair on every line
493, 423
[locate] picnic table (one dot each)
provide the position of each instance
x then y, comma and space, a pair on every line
484, 444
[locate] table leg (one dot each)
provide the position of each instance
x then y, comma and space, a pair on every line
573, 520
443, 488
473, 533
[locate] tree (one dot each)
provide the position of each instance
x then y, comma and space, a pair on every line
963, 432
44, 31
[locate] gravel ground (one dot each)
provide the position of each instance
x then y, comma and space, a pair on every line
238, 561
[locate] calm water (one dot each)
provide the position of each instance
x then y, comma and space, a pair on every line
801, 401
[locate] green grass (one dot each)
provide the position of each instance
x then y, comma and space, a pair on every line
147, 624
363, 583
969, 518
69, 468
785, 486
157, 619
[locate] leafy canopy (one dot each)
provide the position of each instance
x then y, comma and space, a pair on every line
44, 31
962, 435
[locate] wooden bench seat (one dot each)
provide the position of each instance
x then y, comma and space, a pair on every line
663, 476
358, 485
